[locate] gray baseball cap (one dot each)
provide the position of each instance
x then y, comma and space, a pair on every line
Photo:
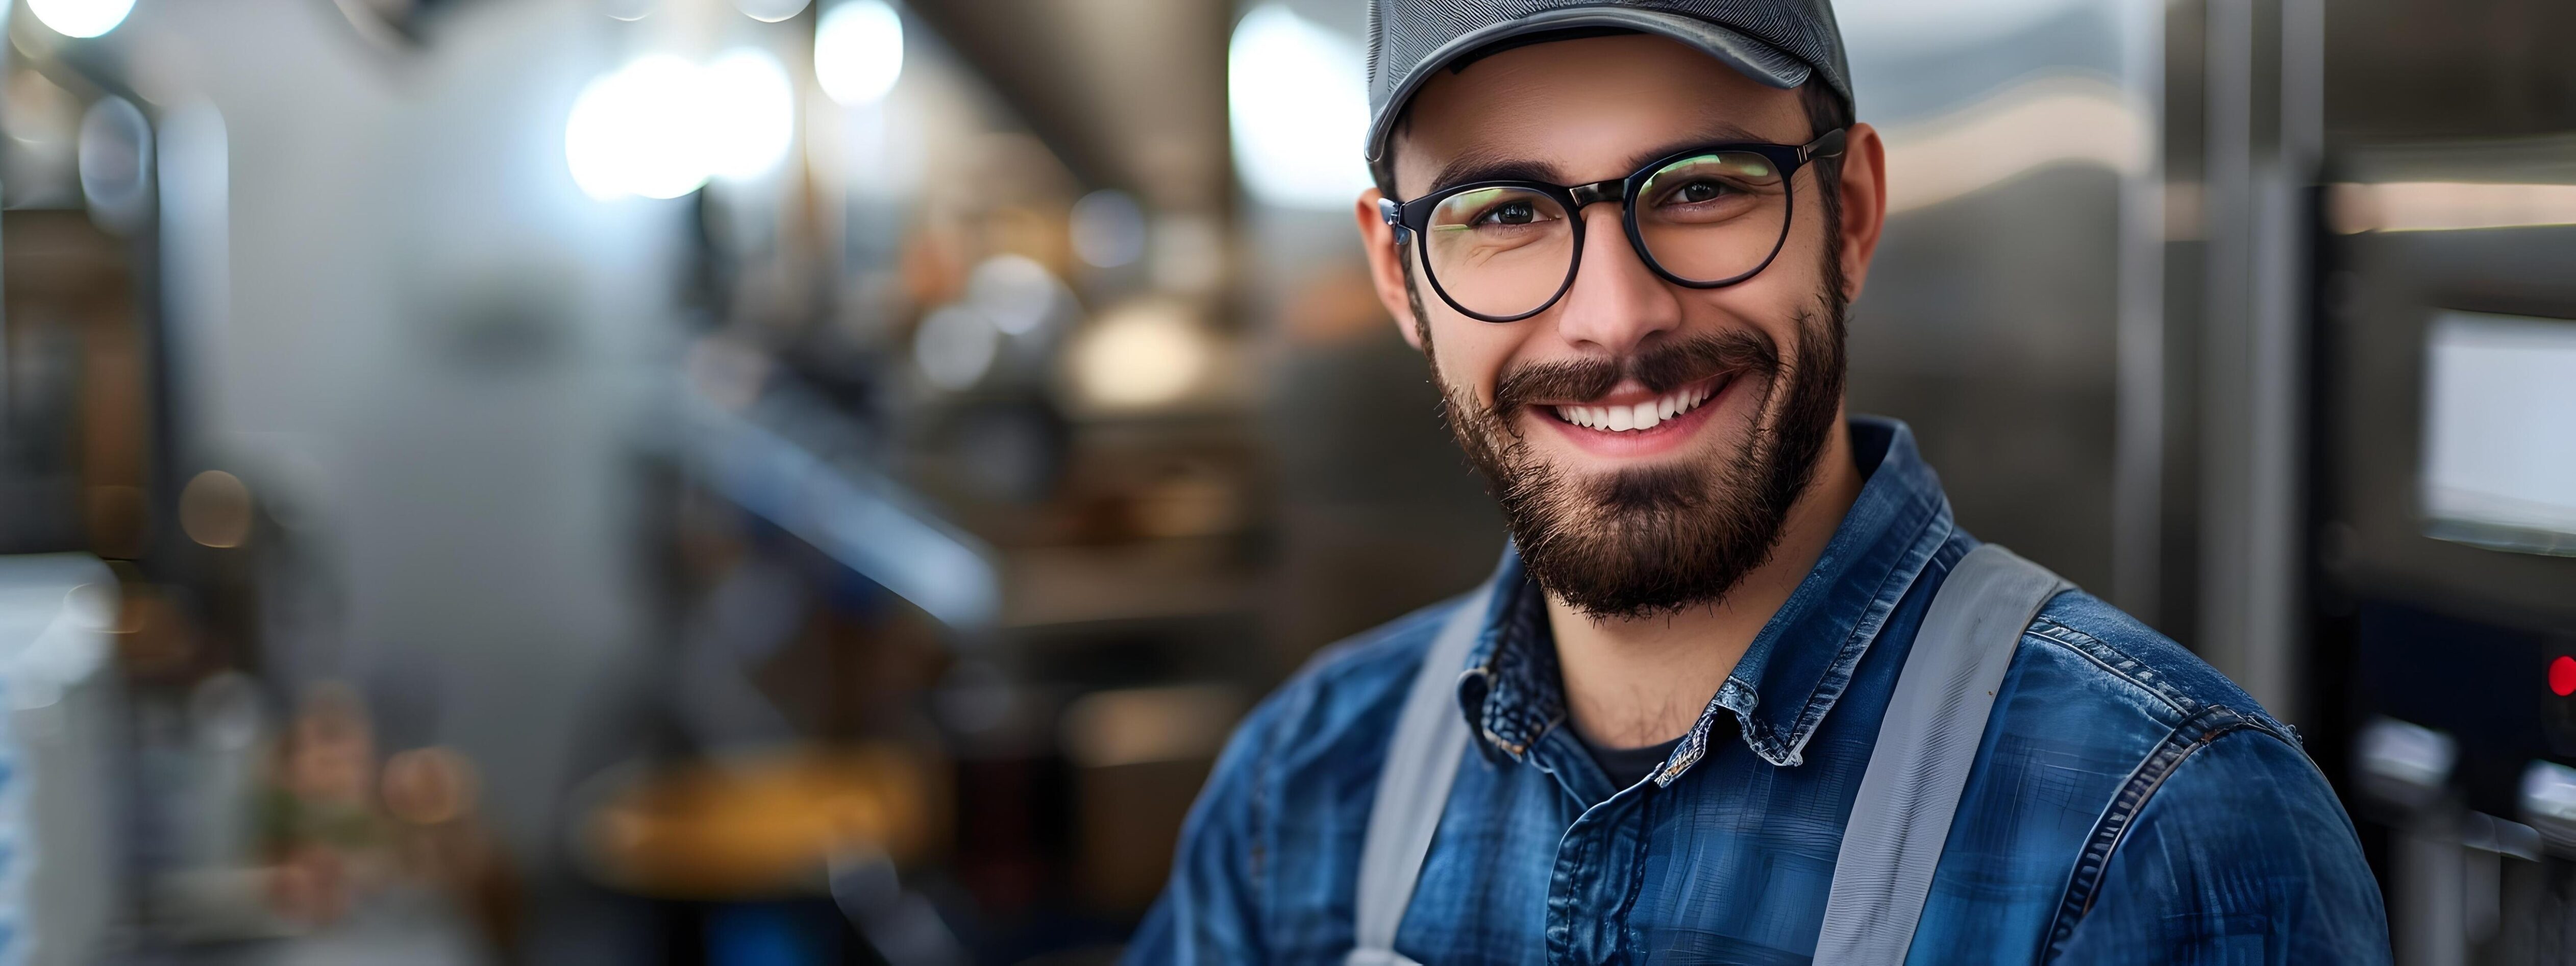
1781, 43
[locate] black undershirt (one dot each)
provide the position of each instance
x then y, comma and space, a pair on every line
1628, 766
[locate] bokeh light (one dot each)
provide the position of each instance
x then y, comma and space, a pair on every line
1299, 111
858, 51
1108, 228
1015, 292
80, 18
215, 509
955, 347
752, 120
1142, 356
771, 11
636, 131
661, 126
115, 163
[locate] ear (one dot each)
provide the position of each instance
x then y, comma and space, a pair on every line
1386, 265
1864, 182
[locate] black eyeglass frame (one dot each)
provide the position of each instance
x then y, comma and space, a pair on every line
1414, 217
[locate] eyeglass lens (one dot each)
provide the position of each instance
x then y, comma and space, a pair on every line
1705, 219
1499, 251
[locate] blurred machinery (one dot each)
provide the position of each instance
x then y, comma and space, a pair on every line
838, 553
2445, 559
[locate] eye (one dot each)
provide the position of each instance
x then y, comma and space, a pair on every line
1698, 192
1708, 183
1703, 190
1516, 212
1496, 213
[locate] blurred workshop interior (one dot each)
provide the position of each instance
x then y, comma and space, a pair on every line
757, 482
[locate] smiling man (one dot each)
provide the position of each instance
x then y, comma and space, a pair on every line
1741, 690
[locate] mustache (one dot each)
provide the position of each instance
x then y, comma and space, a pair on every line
1660, 369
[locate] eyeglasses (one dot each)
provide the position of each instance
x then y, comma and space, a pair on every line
1708, 217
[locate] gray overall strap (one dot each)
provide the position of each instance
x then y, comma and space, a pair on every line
1926, 746
1413, 787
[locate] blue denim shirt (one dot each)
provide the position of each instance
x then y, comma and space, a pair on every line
2129, 804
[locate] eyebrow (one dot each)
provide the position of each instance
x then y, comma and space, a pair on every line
1490, 164
1487, 164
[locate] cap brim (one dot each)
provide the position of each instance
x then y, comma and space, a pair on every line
1762, 62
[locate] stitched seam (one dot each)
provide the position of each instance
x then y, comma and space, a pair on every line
1793, 747
2084, 882
1563, 906
2136, 672
1874, 616
1620, 950
1873, 619
2116, 661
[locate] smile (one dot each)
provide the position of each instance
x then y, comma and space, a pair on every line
1639, 417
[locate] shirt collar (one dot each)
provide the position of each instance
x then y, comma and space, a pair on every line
1800, 663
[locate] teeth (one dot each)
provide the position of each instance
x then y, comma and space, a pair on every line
1644, 415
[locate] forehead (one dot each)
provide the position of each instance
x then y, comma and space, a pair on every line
1585, 109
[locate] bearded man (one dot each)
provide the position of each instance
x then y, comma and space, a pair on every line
1741, 691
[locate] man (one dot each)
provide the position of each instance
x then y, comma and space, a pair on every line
1625, 239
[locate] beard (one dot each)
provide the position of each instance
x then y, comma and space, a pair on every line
1658, 540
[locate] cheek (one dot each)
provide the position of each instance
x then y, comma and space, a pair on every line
1776, 302
1470, 354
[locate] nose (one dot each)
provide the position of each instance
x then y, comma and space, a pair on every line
1617, 303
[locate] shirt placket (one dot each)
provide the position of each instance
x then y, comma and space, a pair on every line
1597, 860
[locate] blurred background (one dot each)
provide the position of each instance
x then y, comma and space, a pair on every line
815, 481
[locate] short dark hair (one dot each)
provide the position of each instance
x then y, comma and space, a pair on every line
1827, 111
